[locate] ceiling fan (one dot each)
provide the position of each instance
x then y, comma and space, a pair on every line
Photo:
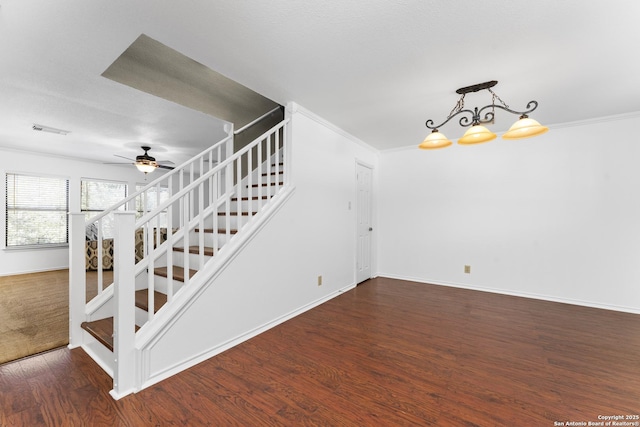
147, 164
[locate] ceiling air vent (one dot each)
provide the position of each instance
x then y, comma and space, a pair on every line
42, 128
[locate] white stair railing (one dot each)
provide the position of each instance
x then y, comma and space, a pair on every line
145, 200
204, 195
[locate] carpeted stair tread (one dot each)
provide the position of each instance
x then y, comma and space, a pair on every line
178, 272
142, 299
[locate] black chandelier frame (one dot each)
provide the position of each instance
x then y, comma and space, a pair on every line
474, 117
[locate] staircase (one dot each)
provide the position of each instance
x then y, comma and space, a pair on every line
171, 240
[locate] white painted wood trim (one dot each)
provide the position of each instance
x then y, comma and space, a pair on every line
77, 278
124, 378
150, 334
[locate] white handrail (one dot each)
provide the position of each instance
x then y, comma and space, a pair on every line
192, 207
248, 125
159, 180
221, 166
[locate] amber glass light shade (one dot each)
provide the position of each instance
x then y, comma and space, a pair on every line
435, 140
477, 134
525, 128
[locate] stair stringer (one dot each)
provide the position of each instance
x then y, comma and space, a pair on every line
153, 334
99, 353
101, 306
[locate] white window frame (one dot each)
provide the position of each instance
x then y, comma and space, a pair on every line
165, 194
93, 212
7, 235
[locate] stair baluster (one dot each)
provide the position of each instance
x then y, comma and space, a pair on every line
207, 188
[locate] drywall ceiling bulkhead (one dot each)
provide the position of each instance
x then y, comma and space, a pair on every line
154, 68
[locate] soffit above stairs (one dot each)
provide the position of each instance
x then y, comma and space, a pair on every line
159, 70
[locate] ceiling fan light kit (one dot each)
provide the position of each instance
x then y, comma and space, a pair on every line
145, 163
146, 166
477, 133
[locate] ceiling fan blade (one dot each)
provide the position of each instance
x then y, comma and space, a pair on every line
165, 162
123, 157
166, 167
118, 163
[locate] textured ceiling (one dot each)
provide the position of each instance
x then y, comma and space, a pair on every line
376, 68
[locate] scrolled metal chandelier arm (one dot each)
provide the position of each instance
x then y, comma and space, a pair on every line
474, 116
531, 106
524, 127
429, 123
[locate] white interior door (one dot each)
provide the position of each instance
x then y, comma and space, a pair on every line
365, 226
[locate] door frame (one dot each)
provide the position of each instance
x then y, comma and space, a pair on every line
358, 164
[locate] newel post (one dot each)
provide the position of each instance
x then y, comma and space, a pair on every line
124, 373
77, 278
287, 152
228, 128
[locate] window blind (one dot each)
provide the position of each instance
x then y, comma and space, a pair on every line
37, 209
148, 201
98, 196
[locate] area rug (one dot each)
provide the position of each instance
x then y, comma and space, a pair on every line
34, 312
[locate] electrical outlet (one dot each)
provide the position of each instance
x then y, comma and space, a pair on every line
319, 280
467, 269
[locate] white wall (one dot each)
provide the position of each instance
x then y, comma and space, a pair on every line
18, 261
314, 233
555, 217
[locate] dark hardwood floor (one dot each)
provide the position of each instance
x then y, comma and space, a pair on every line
388, 353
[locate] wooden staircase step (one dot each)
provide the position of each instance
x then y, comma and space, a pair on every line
273, 173
102, 330
178, 272
235, 199
196, 250
142, 299
266, 184
236, 213
220, 230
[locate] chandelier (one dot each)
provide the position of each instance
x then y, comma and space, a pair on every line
523, 128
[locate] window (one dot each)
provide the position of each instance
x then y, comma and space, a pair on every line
149, 200
37, 209
98, 196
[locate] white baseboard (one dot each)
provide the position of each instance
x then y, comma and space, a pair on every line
117, 396
43, 270
550, 298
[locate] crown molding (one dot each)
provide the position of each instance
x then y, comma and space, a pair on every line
577, 123
294, 108
596, 120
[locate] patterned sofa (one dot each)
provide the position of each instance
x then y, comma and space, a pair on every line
91, 250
